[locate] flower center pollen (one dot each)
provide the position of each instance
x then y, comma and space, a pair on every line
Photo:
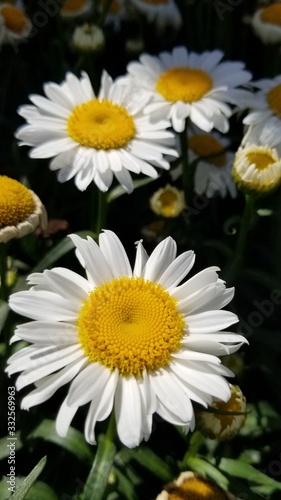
130, 324
16, 202
101, 125
260, 160
197, 489
14, 19
271, 14
184, 84
73, 5
204, 145
274, 99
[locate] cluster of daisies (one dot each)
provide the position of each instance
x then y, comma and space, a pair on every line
141, 339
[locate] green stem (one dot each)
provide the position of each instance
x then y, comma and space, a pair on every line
106, 7
244, 226
195, 444
3, 270
101, 212
187, 170
239, 251
98, 477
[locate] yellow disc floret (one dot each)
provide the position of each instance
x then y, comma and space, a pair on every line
184, 84
196, 488
204, 145
271, 14
130, 324
16, 202
101, 125
274, 99
260, 160
14, 18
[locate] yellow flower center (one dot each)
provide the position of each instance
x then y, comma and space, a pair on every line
168, 200
14, 18
184, 84
207, 145
260, 160
130, 324
197, 489
271, 14
101, 125
274, 99
73, 5
16, 202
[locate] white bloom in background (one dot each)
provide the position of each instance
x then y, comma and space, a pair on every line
132, 341
163, 13
167, 201
264, 118
213, 171
257, 169
189, 85
93, 137
266, 23
14, 23
88, 38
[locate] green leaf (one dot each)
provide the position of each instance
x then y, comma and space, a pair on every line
246, 471
4, 311
74, 442
124, 486
38, 490
59, 251
24, 488
148, 459
119, 190
204, 468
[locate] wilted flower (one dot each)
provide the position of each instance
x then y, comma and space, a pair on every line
190, 486
167, 201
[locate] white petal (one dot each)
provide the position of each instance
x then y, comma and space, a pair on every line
88, 384
48, 332
141, 259
40, 305
161, 257
115, 254
64, 418
128, 412
210, 321
177, 270
101, 407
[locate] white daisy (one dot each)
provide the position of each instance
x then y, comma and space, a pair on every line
132, 340
186, 84
14, 23
257, 169
213, 171
91, 138
264, 119
162, 13
88, 38
75, 8
115, 14
266, 23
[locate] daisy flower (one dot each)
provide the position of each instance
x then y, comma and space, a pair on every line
21, 211
115, 14
213, 164
266, 23
189, 85
132, 341
14, 24
167, 201
257, 169
93, 137
88, 38
162, 13
193, 486
264, 119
